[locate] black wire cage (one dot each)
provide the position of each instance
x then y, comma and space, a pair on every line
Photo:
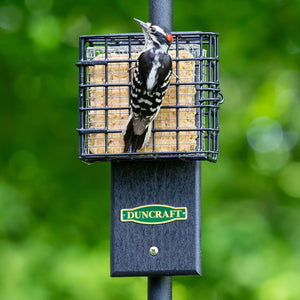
187, 125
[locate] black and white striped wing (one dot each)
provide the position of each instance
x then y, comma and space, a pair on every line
150, 83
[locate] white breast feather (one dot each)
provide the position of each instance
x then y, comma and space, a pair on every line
152, 78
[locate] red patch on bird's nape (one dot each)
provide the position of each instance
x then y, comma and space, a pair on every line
170, 37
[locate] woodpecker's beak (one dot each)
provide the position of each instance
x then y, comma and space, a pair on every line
144, 25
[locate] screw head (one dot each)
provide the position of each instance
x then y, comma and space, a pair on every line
153, 250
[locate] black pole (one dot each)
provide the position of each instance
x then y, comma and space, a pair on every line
138, 185
160, 288
160, 13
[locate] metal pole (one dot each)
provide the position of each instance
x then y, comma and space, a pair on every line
160, 13
160, 288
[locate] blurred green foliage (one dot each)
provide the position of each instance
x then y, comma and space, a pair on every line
54, 209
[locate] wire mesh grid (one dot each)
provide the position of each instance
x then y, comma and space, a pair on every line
187, 125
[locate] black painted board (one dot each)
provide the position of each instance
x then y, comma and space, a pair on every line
173, 183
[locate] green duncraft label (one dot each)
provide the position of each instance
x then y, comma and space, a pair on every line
153, 214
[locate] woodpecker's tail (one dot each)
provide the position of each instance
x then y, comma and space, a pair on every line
132, 140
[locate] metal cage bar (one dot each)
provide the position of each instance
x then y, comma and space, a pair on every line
196, 137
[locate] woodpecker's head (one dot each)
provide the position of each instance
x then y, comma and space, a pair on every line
157, 35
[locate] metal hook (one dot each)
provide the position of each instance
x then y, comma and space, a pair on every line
222, 99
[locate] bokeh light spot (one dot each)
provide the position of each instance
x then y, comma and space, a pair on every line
45, 31
264, 134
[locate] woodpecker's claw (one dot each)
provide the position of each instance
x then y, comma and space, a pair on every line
133, 67
175, 75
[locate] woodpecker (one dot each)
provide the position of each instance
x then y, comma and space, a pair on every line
151, 79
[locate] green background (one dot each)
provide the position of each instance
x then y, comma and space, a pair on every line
54, 209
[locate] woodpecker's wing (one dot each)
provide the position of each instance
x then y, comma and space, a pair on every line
154, 69
150, 82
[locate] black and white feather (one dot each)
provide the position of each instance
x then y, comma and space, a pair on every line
151, 79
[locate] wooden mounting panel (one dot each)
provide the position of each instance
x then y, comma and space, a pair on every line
174, 184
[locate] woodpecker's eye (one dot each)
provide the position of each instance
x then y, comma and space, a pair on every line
152, 30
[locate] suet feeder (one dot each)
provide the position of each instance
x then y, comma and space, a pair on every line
155, 192
187, 125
